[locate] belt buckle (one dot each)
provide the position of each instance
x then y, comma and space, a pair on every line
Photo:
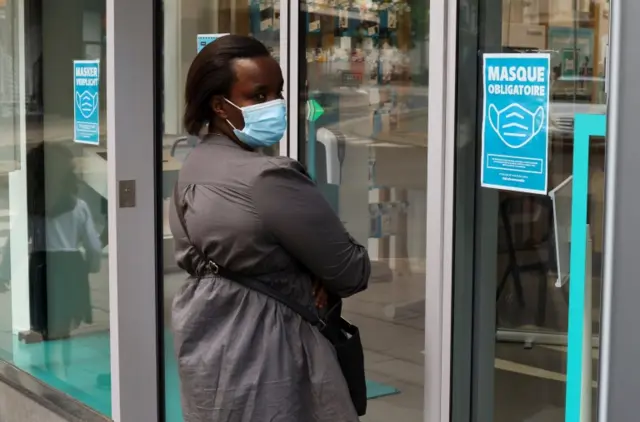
213, 267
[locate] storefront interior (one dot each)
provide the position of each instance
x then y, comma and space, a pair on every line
512, 252
362, 68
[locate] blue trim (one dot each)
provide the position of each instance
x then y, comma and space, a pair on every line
585, 126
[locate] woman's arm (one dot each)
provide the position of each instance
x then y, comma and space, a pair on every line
91, 240
295, 212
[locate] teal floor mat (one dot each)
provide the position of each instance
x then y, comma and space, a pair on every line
376, 390
73, 366
80, 367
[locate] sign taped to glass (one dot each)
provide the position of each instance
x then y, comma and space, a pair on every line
206, 39
86, 98
515, 122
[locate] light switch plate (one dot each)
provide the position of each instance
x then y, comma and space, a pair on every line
127, 193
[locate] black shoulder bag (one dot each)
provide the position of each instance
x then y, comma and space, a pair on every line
344, 336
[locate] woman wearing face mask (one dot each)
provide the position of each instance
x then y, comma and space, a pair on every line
243, 356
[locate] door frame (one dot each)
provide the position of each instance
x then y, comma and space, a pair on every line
443, 27
133, 123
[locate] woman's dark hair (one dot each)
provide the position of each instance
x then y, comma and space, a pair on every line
52, 185
211, 74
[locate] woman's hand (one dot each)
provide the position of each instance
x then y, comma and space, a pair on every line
320, 294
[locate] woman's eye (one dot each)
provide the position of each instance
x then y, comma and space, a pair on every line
261, 97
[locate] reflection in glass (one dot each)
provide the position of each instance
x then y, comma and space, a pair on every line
531, 258
54, 294
365, 73
65, 245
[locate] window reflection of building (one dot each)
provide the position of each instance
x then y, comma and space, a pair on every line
367, 67
575, 34
576, 39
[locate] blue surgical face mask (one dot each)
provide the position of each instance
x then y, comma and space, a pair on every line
264, 124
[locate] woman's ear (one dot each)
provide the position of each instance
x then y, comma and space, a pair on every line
218, 106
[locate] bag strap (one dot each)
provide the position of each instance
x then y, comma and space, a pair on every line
214, 269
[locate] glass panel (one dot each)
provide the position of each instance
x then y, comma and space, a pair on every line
519, 277
184, 21
53, 196
365, 143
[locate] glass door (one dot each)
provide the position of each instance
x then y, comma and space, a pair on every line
54, 260
189, 26
363, 74
530, 153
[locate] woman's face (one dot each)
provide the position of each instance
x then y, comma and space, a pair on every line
257, 80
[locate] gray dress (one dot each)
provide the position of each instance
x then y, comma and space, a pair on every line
243, 357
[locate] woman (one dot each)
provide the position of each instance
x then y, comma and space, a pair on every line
65, 246
242, 356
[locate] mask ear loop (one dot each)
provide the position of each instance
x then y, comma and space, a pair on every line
231, 124
230, 102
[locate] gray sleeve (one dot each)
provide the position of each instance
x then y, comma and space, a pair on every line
302, 221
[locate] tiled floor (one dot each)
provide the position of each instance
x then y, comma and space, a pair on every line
530, 384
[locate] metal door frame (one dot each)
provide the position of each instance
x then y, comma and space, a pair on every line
132, 128
619, 373
440, 209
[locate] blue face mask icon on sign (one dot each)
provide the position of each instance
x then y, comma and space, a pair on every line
87, 103
515, 125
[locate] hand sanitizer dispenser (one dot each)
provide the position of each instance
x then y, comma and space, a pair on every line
331, 150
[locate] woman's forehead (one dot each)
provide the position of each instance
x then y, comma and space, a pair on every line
257, 70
